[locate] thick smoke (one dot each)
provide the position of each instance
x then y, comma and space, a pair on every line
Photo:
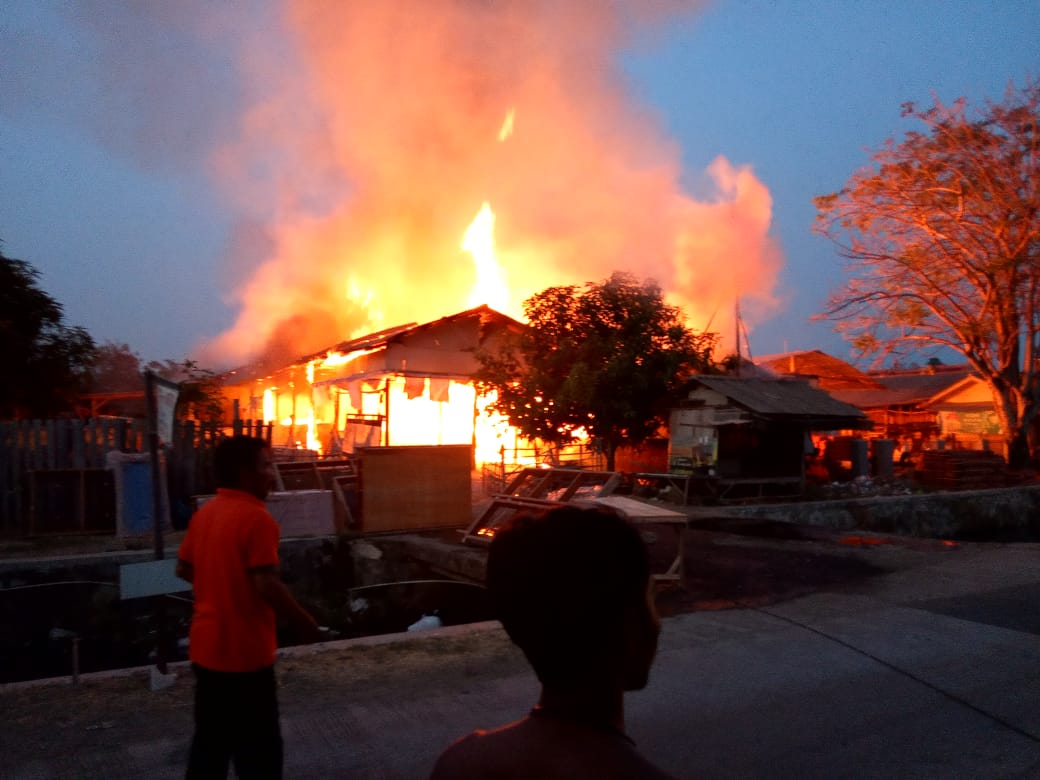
379, 141
357, 140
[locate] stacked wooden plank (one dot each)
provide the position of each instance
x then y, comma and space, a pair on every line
961, 469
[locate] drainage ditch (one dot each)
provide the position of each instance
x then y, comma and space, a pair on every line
63, 616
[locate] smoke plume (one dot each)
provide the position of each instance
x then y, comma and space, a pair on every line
356, 141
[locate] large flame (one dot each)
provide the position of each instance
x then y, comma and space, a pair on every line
372, 129
490, 287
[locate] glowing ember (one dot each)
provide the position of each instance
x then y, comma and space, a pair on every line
335, 358
863, 541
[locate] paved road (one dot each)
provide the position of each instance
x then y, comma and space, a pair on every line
928, 672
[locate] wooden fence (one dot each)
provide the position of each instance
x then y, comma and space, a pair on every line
35, 454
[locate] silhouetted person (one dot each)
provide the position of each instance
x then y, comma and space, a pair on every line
572, 589
230, 555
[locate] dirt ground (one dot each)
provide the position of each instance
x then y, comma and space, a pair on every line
104, 714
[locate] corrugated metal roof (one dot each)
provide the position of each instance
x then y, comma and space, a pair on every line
868, 399
831, 373
779, 397
904, 389
376, 340
388, 336
921, 387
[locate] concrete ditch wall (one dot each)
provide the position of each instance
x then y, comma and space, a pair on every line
975, 514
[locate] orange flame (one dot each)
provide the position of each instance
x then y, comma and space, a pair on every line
374, 126
490, 287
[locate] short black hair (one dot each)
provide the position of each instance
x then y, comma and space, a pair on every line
234, 455
560, 582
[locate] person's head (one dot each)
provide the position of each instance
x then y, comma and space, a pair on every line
571, 587
244, 463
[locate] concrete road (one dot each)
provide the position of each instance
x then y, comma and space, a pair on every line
929, 672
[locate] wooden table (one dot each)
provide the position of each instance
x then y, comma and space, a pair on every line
643, 513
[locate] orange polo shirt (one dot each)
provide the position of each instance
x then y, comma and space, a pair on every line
233, 628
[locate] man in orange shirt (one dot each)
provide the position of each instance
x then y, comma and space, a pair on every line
230, 555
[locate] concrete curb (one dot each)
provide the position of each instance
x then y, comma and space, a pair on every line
294, 651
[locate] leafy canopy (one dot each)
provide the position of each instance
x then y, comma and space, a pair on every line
116, 368
606, 358
44, 361
942, 238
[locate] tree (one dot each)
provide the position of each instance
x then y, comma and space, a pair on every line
44, 361
200, 396
606, 359
942, 238
116, 368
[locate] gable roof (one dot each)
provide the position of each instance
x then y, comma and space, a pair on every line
922, 385
486, 316
955, 387
788, 400
905, 388
830, 372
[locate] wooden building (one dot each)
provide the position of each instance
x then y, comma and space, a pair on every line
749, 438
898, 401
902, 406
409, 385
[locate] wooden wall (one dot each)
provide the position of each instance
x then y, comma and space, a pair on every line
50, 480
405, 488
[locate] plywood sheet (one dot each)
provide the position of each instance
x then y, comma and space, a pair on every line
407, 488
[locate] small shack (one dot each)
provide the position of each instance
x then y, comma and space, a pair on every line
743, 439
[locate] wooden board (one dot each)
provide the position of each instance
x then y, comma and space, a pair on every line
407, 488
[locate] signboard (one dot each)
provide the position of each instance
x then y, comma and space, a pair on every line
153, 578
692, 443
975, 422
165, 405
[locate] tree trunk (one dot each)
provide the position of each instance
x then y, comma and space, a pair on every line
1018, 449
609, 451
1014, 425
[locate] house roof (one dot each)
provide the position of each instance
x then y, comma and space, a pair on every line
905, 388
953, 388
920, 386
487, 317
830, 372
785, 399
486, 314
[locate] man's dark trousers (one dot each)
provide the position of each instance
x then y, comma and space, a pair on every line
236, 720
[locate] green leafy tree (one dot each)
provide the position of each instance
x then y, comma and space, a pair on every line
118, 369
115, 369
607, 358
942, 238
44, 361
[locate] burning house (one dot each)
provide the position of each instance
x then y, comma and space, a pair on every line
408, 385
